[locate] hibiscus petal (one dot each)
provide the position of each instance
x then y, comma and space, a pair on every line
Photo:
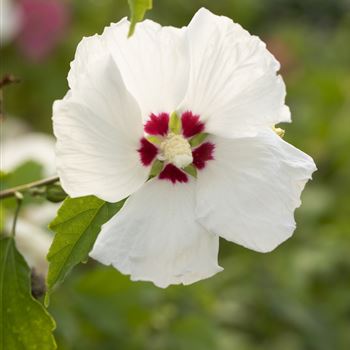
157, 124
88, 51
173, 174
153, 63
155, 237
233, 84
191, 124
202, 154
148, 152
248, 194
98, 128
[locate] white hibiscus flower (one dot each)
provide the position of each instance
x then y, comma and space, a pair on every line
195, 108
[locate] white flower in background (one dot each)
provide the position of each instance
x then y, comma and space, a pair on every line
33, 146
32, 237
10, 16
33, 242
194, 107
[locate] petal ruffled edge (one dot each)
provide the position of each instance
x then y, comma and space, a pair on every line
233, 84
98, 127
155, 237
249, 193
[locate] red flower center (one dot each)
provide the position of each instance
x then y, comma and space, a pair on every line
175, 146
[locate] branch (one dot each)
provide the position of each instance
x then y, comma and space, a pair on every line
11, 192
19, 198
8, 79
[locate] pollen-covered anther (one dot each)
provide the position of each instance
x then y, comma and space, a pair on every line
280, 132
176, 150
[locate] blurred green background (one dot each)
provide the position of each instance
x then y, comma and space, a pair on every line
295, 298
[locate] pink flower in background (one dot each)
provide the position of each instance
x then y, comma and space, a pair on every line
43, 23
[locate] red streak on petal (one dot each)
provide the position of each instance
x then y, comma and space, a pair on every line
147, 151
157, 124
191, 124
202, 154
172, 173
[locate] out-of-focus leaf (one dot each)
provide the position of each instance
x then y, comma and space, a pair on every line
138, 9
2, 216
24, 321
76, 226
26, 172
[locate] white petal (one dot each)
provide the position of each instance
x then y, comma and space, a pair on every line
89, 50
249, 192
233, 84
153, 63
155, 237
98, 128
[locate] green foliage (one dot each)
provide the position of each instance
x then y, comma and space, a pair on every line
138, 9
76, 226
111, 309
295, 298
26, 172
25, 324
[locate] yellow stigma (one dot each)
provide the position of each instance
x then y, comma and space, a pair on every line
280, 132
176, 150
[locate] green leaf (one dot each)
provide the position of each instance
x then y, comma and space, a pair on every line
26, 172
175, 123
191, 170
198, 139
25, 324
138, 9
76, 226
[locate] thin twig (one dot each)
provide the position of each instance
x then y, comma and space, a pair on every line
19, 198
8, 79
11, 192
